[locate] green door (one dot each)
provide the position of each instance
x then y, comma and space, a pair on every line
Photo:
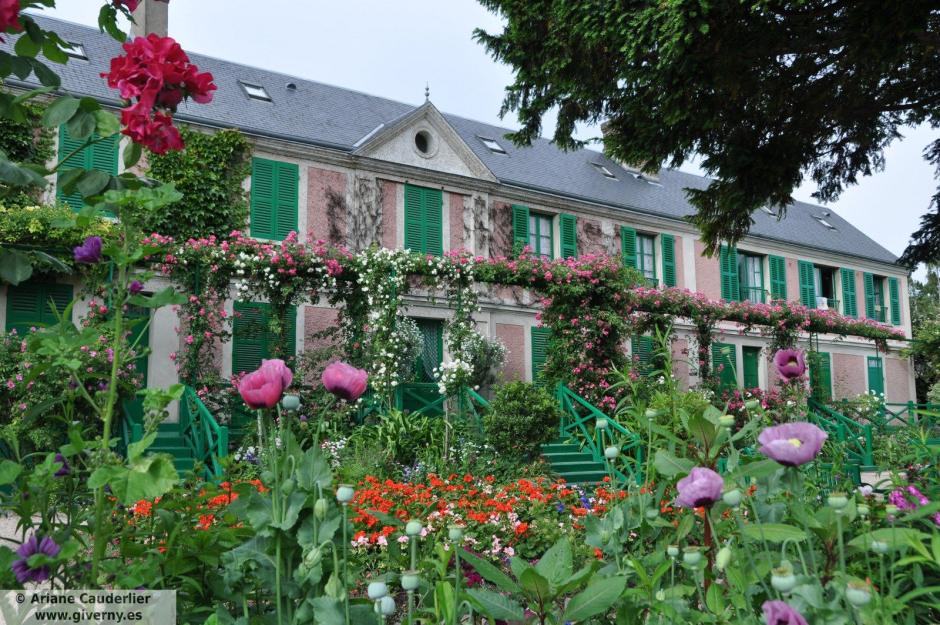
820, 376
140, 335
751, 367
423, 390
876, 376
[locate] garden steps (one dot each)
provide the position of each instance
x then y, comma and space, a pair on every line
170, 441
575, 465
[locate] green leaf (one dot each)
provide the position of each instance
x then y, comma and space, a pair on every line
132, 154
314, 470
60, 111
328, 611
714, 599
81, 125
758, 469
15, 266
773, 532
107, 123
894, 537
26, 46
166, 297
555, 565
92, 182
668, 465
598, 597
495, 605
46, 76
533, 582
490, 573
9, 471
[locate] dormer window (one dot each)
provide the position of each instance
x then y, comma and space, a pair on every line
75, 51
492, 145
255, 92
603, 169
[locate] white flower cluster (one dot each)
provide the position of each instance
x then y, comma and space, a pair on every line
451, 375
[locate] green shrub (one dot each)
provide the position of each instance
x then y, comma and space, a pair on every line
401, 436
521, 418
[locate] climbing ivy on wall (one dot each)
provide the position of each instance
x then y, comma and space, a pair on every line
24, 140
209, 173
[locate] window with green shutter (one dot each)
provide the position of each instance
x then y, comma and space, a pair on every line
849, 301
807, 283
628, 246
778, 278
520, 228
820, 376
728, 264
273, 198
424, 226
102, 156
646, 257
540, 340
668, 245
568, 231
869, 281
894, 295
642, 348
724, 362
751, 278
751, 374
30, 304
542, 235
432, 349
252, 339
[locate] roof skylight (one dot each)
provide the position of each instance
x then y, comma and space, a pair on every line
75, 50
603, 169
769, 211
822, 219
255, 92
492, 145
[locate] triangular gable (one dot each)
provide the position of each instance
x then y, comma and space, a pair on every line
439, 148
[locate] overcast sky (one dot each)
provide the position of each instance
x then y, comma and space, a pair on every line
394, 48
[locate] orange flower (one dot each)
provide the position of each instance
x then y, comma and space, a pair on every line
205, 521
598, 554
142, 508
521, 529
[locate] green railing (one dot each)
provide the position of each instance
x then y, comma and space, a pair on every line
132, 424
579, 421
910, 414
202, 433
856, 437
423, 398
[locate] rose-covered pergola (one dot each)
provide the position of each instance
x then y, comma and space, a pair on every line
591, 304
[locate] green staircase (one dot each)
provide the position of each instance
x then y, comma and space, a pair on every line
575, 465
170, 441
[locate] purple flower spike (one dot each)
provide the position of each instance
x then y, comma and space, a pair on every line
32, 546
792, 444
780, 613
65, 469
701, 487
790, 363
88, 252
135, 287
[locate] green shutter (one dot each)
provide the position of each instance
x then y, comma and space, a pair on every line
285, 199
424, 224
894, 296
140, 334
876, 375
849, 302
540, 341
807, 284
727, 361
751, 357
249, 336
30, 304
642, 348
568, 226
628, 246
869, 281
263, 212
778, 278
434, 221
668, 243
728, 261
820, 376
520, 228
102, 156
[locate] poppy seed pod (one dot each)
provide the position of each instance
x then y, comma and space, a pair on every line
455, 533
386, 606
782, 578
672, 551
692, 556
345, 493
858, 594
413, 527
611, 452
410, 580
377, 590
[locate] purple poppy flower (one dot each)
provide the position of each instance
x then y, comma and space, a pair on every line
65, 469
24, 572
792, 444
135, 287
88, 252
790, 363
780, 613
701, 487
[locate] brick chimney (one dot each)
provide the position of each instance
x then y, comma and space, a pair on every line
151, 17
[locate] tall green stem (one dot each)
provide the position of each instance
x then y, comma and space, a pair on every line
107, 415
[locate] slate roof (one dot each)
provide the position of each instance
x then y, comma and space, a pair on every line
334, 117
